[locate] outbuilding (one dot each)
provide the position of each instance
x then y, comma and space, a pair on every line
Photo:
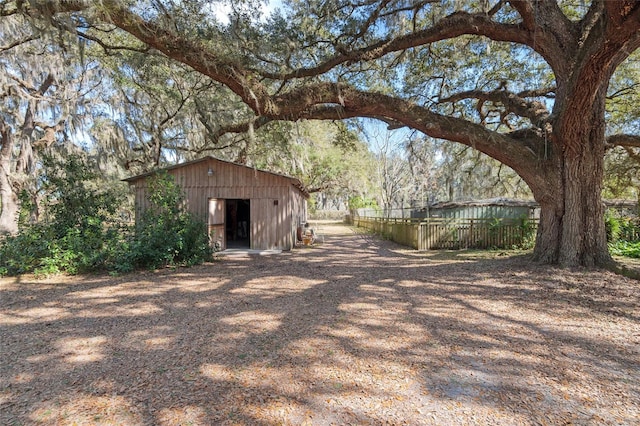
244, 207
495, 208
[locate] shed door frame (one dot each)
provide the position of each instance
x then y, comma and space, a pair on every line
216, 222
238, 230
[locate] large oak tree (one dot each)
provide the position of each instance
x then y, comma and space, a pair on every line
42, 94
337, 59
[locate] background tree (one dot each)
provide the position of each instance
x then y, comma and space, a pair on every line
326, 154
160, 112
468, 174
393, 172
426, 163
529, 88
79, 233
44, 100
622, 161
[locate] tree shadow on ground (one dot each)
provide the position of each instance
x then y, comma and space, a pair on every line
355, 331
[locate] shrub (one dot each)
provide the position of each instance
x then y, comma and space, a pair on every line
80, 235
613, 227
24, 252
625, 248
167, 234
528, 232
623, 234
73, 238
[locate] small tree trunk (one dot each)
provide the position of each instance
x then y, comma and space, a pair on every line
9, 214
8, 199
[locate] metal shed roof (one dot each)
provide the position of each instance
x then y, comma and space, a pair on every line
295, 181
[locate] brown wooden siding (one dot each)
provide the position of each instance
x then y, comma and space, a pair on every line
272, 226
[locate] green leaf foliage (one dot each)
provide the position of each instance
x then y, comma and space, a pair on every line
81, 234
623, 234
167, 234
78, 229
625, 248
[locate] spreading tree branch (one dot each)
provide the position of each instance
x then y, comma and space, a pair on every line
533, 110
454, 25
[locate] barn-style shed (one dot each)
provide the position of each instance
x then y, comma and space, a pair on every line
244, 207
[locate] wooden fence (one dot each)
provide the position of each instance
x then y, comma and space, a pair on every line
629, 234
445, 233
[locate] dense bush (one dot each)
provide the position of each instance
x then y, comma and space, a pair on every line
622, 228
166, 234
623, 234
528, 231
625, 248
75, 232
80, 234
613, 227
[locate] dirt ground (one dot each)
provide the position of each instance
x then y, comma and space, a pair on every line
354, 330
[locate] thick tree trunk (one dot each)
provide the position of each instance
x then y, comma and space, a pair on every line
547, 246
572, 230
583, 240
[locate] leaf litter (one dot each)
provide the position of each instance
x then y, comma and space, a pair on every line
356, 330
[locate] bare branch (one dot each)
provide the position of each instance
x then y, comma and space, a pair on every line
28, 87
372, 18
626, 140
624, 91
30, 90
533, 110
48, 81
537, 14
495, 9
240, 127
108, 47
17, 43
192, 53
547, 92
552, 33
527, 12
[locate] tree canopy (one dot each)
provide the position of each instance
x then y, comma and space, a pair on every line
525, 82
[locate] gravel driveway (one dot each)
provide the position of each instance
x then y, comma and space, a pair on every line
352, 331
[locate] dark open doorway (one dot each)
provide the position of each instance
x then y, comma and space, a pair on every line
237, 223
